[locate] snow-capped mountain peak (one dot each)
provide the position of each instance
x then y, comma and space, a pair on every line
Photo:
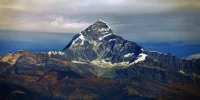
98, 31
98, 43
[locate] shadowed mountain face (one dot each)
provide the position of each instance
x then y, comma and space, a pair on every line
98, 65
98, 43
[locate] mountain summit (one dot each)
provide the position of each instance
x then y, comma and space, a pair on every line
99, 45
96, 32
98, 65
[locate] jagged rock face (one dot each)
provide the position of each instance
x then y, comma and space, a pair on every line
99, 43
11, 58
71, 74
46, 76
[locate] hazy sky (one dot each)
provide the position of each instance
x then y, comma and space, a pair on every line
159, 20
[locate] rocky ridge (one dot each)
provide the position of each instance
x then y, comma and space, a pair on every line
98, 64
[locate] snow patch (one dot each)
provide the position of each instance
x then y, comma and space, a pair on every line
107, 64
103, 22
104, 30
101, 38
104, 64
181, 72
55, 53
140, 58
128, 55
81, 37
142, 49
111, 40
78, 62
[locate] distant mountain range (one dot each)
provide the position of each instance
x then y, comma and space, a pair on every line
12, 41
99, 65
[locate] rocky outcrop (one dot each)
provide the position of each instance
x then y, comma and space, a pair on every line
98, 44
55, 83
99, 65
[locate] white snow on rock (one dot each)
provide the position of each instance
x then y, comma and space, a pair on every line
103, 22
55, 53
78, 62
181, 71
107, 64
111, 40
101, 38
142, 49
128, 55
81, 37
104, 30
141, 57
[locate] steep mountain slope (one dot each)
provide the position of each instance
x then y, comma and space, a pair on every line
98, 64
42, 77
99, 45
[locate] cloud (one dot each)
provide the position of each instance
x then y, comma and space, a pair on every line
195, 56
61, 22
51, 23
151, 19
71, 7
